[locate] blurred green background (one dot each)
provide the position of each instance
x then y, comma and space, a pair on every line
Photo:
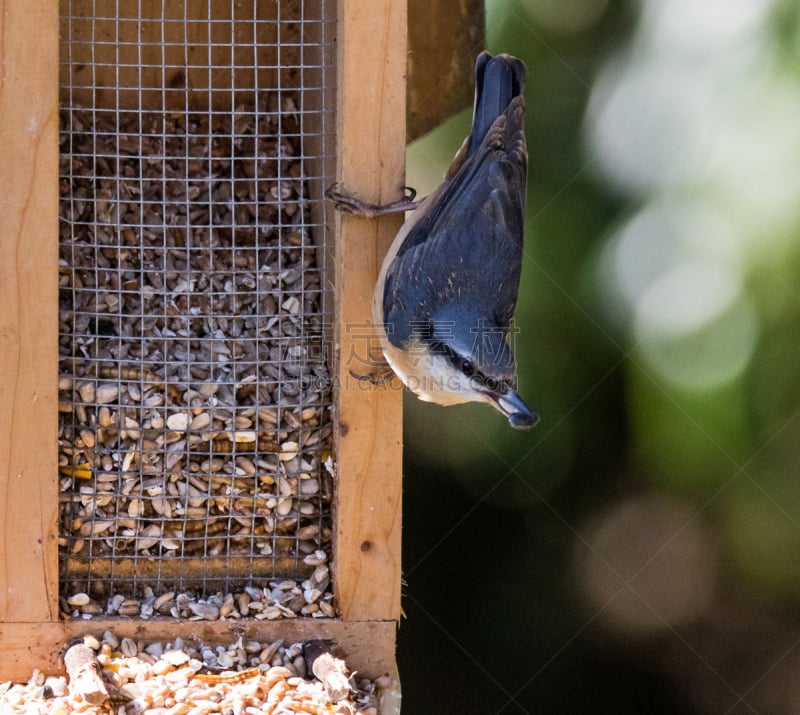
639, 551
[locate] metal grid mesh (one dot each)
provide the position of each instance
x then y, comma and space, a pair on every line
195, 396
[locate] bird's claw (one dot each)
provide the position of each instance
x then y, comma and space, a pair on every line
377, 378
345, 203
381, 373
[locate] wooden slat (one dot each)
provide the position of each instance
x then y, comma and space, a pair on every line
28, 309
191, 571
367, 647
441, 74
371, 165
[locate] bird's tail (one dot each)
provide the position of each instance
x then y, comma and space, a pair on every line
498, 80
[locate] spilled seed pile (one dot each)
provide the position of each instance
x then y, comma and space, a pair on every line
194, 392
180, 678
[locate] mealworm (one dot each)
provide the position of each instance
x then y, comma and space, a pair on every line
230, 678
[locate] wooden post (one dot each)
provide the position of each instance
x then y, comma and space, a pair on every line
371, 165
28, 310
441, 65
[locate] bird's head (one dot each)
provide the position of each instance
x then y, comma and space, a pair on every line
460, 356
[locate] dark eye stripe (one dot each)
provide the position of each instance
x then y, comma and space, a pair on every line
457, 361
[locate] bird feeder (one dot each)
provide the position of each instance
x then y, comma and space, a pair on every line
184, 451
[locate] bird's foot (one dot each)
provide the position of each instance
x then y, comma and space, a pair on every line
345, 203
381, 375
377, 377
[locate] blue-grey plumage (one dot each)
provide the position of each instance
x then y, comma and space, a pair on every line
448, 286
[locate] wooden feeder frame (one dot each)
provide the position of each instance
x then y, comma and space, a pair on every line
371, 135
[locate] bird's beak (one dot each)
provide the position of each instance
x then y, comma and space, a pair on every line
518, 414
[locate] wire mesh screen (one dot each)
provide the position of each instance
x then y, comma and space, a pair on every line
195, 398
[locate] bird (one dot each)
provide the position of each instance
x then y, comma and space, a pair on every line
447, 289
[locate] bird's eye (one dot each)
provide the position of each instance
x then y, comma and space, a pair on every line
468, 367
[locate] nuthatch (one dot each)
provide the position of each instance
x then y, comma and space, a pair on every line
448, 287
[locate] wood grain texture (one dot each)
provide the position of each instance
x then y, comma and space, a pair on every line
29, 309
192, 572
444, 38
368, 433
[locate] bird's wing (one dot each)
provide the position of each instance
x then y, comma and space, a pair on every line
471, 232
